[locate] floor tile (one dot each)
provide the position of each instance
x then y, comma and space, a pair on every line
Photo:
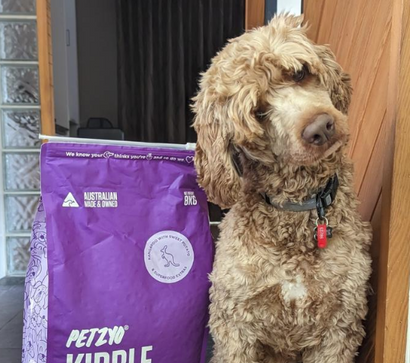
11, 303
12, 281
209, 348
11, 333
10, 355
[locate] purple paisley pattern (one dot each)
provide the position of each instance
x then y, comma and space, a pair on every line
36, 294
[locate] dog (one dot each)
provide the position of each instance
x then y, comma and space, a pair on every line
271, 121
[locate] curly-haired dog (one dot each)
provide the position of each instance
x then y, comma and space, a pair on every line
276, 104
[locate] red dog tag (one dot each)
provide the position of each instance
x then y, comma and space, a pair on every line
321, 236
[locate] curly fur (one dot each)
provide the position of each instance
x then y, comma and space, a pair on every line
275, 296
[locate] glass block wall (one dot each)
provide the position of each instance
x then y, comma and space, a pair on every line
19, 129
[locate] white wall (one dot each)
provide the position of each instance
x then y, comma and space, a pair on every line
60, 69
97, 59
292, 6
65, 73
72, 60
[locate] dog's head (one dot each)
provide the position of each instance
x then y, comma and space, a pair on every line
273, 96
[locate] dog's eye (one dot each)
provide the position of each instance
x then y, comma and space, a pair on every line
260, 112
260, 115
299, 76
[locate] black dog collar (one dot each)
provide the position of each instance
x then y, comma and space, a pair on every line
319, 201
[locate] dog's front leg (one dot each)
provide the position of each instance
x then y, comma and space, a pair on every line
233, 345
339, 345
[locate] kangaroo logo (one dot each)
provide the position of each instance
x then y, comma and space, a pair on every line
169, 257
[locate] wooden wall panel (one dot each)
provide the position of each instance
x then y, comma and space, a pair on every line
394, 269
360, 34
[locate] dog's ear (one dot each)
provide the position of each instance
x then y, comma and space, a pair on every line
335, 79
214, 164
225, 119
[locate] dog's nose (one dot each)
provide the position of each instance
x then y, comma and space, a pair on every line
320, 130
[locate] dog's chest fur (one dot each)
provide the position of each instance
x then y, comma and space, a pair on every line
269, 270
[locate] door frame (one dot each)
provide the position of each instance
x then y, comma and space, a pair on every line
45, 67
254, 13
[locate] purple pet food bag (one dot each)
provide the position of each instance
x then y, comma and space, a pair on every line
120, 255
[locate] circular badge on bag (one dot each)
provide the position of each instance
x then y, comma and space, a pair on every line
168, 256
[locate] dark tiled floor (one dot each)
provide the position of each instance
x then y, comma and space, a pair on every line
11, 319
209, 350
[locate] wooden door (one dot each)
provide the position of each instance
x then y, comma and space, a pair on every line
365, 35
394, 265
